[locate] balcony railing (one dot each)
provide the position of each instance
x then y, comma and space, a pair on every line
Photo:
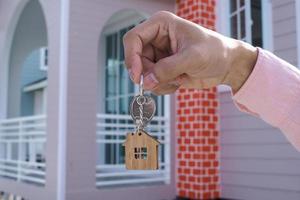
111, 132
22, 149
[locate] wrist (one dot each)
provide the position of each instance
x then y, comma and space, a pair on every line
242, 61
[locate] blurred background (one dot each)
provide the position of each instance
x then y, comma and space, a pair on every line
65, 93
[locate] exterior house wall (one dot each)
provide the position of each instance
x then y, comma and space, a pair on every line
197, 122
257, 162
10, 12
285, 30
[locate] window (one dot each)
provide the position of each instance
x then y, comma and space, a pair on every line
243, 20
44, 59
140, 153
246, 21
115, 122
119, 90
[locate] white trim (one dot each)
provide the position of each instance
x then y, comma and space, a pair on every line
36, 86
249, 21
297, 7
223, 27
267, 24
222, 13
63, 79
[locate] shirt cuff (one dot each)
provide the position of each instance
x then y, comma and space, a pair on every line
271, 90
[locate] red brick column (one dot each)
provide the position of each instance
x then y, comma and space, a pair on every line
197, 123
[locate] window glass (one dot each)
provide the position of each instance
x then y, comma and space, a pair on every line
44, 58
233, 5
242, 26
234, 31
256, 14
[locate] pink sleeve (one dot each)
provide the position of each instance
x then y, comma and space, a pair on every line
272, 92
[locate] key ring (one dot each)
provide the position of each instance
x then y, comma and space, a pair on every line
141, 100
141, 89
142, 107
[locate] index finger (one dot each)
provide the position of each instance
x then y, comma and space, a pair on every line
134, 41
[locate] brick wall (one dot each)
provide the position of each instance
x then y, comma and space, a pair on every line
197, 122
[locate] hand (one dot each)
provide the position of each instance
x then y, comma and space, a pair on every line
172, 52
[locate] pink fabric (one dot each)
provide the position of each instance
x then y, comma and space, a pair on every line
272, 92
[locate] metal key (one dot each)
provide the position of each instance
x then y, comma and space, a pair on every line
142, 108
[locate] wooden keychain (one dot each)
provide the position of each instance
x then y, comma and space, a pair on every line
141, 149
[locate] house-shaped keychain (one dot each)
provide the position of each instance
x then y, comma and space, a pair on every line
141, 151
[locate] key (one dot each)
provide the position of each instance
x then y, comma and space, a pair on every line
141, 149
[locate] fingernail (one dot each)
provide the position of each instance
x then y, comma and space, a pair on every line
131, 74
150, 81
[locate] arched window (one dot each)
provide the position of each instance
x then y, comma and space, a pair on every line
114, 121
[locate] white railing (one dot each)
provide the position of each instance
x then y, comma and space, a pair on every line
22, 149
111, 132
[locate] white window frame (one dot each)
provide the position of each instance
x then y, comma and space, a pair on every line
223, 25
44, 56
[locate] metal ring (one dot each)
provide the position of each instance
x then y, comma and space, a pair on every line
141, 100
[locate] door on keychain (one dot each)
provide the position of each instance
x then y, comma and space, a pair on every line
114, 122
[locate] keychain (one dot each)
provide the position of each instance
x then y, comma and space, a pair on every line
141, 149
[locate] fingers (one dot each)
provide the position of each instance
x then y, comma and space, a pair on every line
134, 41
137, 38
165, 70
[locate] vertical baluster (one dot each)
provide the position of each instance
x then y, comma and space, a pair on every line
19, 150
8, 151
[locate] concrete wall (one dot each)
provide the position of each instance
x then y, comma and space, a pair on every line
257, 161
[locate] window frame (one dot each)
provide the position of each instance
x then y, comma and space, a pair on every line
136, 88
223, 25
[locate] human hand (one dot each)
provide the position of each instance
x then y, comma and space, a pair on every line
172, 52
